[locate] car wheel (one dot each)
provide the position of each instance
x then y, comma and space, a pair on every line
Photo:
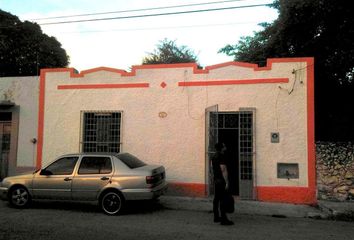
112, 203
19, 197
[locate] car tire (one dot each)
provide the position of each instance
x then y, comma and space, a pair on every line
112, 203
19, 197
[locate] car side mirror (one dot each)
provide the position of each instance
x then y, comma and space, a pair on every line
46, 172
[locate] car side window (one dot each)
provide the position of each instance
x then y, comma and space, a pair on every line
63, 166
95, 165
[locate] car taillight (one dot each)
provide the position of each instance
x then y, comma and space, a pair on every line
155, 179
151, 179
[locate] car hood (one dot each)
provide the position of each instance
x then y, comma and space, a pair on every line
27, 175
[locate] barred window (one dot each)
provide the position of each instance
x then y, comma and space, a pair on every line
101, 132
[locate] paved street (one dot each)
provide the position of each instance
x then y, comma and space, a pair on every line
146, 220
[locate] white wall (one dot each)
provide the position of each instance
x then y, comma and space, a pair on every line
178, 141
23, 91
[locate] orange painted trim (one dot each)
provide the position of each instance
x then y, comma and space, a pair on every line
194, 67
311, 124
296, 195
232, 82
107, 69
73, 73
103, 86
187, 189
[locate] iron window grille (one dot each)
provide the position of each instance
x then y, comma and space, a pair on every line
101, 131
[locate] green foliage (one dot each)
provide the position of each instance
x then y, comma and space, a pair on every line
24, 48
168, 52
323, 29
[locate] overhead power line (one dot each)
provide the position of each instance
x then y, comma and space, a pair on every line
155, 14
137, 10
159, 28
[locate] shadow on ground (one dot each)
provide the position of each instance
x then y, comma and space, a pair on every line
347, 217
131, 207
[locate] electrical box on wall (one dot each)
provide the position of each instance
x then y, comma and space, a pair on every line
274, 137
288, 170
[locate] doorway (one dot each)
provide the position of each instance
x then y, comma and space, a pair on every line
5, 140
228, 133
236, 131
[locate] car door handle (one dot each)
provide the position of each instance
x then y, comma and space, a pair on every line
67, 179
104, 178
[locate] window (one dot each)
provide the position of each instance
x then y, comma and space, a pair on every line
101, 132
63, 166
5, 117
130, 160
95, 165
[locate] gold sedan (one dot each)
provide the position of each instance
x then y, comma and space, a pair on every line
110, 179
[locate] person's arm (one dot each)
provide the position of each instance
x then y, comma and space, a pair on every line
225, 175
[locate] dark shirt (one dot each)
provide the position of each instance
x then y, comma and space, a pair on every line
217, 160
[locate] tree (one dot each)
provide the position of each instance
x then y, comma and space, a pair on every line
24, 48
168, 52
323, 29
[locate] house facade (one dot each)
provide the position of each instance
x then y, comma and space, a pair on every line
174, 114
18, 124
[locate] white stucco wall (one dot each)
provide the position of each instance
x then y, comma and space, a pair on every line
178, 140
23, 91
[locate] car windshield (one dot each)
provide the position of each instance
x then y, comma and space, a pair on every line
130, 160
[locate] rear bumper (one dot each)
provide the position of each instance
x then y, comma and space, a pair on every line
3, 193
145, 194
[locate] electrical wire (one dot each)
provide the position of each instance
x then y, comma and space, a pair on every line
152, 28
276, 109
153, 15
136, 10
307, 66
161, 28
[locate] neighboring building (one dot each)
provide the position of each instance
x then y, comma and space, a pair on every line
174, 114
18, 124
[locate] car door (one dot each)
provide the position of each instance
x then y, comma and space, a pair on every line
93, 174
54, 181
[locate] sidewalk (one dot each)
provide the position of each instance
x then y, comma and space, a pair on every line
325, 209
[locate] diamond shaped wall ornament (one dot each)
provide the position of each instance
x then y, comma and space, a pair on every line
163, 84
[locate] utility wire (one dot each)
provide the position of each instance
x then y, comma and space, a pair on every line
159, 28
137, 10
155, 14
149, 28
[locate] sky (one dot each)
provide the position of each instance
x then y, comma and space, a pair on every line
122, 43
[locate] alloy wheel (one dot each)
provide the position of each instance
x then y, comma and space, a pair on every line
19, 197
111, 203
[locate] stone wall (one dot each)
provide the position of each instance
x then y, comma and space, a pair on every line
335, 171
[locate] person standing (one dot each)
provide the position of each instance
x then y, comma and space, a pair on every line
221, 184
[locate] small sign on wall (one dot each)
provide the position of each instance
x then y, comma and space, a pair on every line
274, 137
288, 170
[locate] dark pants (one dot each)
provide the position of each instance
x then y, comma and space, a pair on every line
218, 196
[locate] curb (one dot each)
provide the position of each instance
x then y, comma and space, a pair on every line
243, 207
